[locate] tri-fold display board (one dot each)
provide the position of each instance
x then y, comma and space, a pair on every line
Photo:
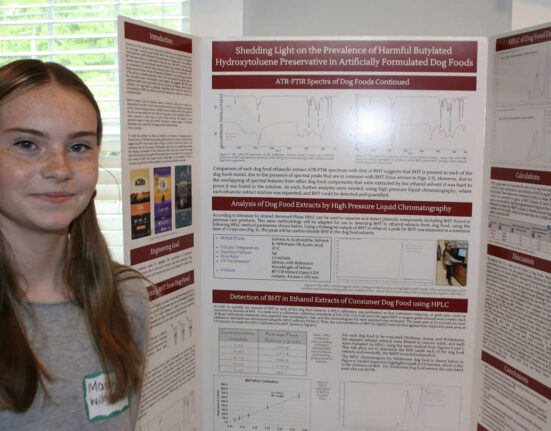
344, 233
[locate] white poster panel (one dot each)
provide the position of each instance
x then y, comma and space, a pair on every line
513, 382
160, 144
342, 232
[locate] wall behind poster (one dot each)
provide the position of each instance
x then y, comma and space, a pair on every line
376, 17
260, 17
209, 21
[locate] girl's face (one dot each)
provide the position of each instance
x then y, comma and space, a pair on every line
48, 158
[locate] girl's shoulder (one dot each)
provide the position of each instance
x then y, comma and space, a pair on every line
130, 282
134, 295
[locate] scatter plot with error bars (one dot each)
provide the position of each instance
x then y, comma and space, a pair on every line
252, 403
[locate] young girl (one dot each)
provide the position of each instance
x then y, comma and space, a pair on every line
72, 322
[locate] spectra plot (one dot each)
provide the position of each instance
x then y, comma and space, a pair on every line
411, 122
385, 259
522, 135
282, 121
270, 404
399, 407
180, 415
523, 76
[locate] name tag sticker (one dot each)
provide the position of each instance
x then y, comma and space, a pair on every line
95, 399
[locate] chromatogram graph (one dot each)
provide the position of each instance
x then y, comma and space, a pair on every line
384, 259
269, 404
522, 135
523, 75
180, 415
251, 121
412, 122
399, 407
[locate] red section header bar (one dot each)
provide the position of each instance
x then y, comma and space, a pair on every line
157, 37
541, 178
345, 56
344, 82
517, 375
524, 39
170, 285
159, 249
399, 303
520, 258
342, 206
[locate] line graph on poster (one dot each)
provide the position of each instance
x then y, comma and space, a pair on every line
523, 76
289, 121
180, 415
385, 259
522, 136
412, 123
399, 407
253, 403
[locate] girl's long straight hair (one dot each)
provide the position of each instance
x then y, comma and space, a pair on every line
91, 277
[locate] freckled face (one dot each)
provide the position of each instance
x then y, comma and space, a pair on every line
48, 159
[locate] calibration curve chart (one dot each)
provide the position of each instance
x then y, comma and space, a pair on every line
254, 403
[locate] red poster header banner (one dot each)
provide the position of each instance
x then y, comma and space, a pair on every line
151, 36
517, 375
524, 39
170, 285
542, 178
345, 56
159, 249
344, 82
371, 302
342, 206
520, 258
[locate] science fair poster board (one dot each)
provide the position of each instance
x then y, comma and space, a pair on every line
344, 233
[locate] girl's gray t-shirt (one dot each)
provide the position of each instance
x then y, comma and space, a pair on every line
59, 336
